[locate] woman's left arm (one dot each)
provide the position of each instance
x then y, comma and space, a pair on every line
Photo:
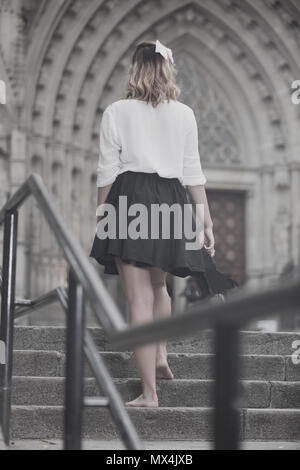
198, 195
109, 156
194, 180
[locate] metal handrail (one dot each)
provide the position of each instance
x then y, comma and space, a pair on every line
240, 308
83, 281
105, 383
101, 302
97, 365
226, 318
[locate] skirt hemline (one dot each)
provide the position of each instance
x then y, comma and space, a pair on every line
172, 258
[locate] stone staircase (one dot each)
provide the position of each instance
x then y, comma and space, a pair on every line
270, 388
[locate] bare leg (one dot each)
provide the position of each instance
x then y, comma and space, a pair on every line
139, 292
161, 309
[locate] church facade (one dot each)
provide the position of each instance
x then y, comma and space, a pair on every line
63, 62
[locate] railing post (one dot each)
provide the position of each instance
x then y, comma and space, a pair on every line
74, 366
7, 317
227, 419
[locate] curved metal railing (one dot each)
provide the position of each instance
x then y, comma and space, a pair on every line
83, 282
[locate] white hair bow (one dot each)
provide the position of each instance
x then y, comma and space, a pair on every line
164, 51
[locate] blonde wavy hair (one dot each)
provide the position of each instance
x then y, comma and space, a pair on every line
151, 76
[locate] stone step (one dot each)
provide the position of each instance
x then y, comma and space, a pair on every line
32, 422
48, 391
184, 365
252, 342
148, 444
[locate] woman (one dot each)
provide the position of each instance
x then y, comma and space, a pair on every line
149, 156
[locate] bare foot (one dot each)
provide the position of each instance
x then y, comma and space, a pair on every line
163, 370
144, 402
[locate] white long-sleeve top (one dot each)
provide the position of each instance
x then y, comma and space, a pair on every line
137, 137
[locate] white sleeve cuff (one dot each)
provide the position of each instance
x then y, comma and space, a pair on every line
194, 180
101, 182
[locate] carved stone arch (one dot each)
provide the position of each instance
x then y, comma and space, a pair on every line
232, 89
236, 91
53, 73
221, 141
79, 50
265, 90
280, 17
242, 91
133, 8
96, 39
69, 21
69, 12
126, 19
70, 37
37, 49
280, 63
275, 27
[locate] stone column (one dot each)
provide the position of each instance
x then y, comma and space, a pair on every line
267, 202
283, 219
17, 177
295, 196
3, 179
254, 250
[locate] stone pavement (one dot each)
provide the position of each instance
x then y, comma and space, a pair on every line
37, 444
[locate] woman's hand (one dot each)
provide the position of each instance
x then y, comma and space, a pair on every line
209, 242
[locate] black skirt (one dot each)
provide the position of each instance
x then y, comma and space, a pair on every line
170, 254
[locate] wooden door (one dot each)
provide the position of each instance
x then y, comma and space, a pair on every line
228, 214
